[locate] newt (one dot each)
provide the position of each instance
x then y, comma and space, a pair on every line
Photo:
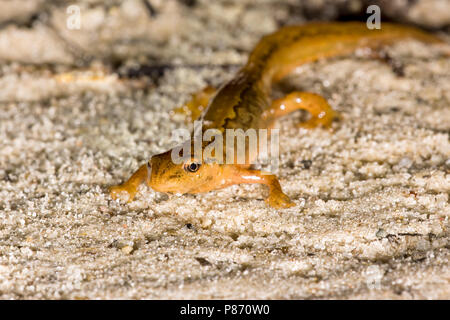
245, 102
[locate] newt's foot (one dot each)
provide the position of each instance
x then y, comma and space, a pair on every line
279, 201
127, 190
122, 192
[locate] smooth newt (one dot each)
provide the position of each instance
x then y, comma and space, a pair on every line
245, 102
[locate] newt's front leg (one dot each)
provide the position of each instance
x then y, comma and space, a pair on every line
277, 198
127, 190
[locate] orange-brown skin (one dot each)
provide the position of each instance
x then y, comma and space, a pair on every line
244, 102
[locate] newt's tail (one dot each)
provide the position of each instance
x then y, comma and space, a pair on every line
277, 54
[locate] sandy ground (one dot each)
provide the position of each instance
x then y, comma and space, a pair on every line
372, 197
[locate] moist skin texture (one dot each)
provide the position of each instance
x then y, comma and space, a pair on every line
245, 102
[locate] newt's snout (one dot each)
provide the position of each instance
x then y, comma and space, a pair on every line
155, 173
164, 175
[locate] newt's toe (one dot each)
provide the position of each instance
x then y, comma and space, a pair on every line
280, 201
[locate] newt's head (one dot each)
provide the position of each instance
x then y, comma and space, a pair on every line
191, 176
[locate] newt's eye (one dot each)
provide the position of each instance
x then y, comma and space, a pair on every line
192, 167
